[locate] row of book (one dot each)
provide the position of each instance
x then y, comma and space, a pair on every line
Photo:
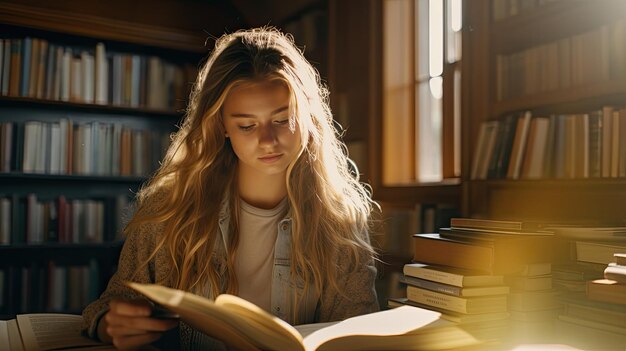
587, 145
48, 287
488, 273
28, 220
35, 68
502, 9
583, 59
67, 147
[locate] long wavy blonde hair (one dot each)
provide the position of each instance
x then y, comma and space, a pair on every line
329, 207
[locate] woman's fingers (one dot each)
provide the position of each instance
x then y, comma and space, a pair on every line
134, 341
130, 326
134, 308
139, 323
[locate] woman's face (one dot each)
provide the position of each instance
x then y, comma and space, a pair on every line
256, 119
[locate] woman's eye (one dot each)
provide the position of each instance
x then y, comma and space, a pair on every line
246, 128
282, 121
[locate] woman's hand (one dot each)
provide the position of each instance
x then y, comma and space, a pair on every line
128, 324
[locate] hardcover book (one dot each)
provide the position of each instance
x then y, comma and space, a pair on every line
471, 305
606, 290
491, 254
245, 326
46, 331
451, 276
455, 290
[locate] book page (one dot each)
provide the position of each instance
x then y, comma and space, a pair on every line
4, 333
308, 329
275, 333
234, 321
48, 331
400, 328
15, 340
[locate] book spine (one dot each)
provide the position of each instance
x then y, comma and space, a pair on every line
436, 299
433, 286
488, 224
436, 251
434, 275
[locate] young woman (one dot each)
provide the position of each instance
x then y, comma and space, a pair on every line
254, 198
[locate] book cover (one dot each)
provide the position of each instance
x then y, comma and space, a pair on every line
245, 326
595, 144
473, 305
484, 149
504, 225
530, 283
595, 252
433, 249
509, 130
518, 146
604, 233
487, 252
454, 290
577, 305
532, 166
451, 276
606, 290
576, 272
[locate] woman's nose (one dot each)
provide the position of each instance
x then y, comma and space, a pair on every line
267, 135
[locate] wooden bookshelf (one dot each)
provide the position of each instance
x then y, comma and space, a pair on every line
447, 192
100, 27
580, 98
21, 102
598, 200
550, 22
80, 31
537, 26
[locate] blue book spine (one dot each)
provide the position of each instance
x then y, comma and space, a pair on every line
26, 53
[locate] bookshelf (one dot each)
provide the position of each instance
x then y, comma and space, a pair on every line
546, 22
46, 266
526, 35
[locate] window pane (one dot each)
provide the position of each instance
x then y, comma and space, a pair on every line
421, 37
435, 39
398, 99
453, 30
428, 130
457, 121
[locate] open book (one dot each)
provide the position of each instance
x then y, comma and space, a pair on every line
245, 326
46, 331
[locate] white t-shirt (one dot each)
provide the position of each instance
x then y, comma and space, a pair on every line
254, 262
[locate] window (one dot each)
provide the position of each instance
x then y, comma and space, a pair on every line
421, 90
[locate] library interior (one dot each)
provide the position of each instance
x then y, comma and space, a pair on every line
490, 134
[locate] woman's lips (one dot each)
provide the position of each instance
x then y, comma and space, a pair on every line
270, 158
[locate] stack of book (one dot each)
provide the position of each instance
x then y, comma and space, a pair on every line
533, 303
474, 300
593, 249
487, 271
597, 316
